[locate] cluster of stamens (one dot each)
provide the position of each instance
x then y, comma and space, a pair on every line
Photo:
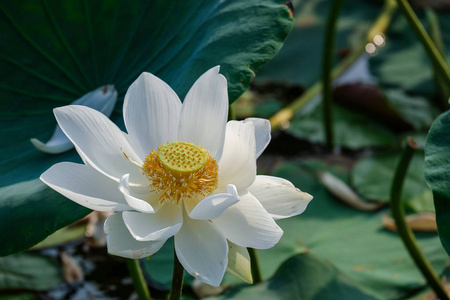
181, 171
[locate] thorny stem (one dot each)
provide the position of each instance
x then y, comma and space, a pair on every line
379, 26
254, 262
177, 278
423, 36
327, 64
137, 277
404, 231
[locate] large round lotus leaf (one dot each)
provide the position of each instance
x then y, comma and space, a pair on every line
356, 242
26, 271
351, 129
437, 174
303, 277
372, 178
53, 52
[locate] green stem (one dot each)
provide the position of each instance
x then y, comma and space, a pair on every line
256, 271
138, 279
177, 278
436, 37
327, 64
379, 26
423, 36
404, 231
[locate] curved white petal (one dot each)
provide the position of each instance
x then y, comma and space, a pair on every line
279, 196
120, 242
205, 112
85, 186
154, 227
248, 224
238, 163
142, 201
214, 206
239, 262
102, 99
102, 143
151, 111
262, 133
58, 143
202, 250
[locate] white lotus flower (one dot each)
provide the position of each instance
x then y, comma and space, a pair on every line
181, 171
102, 99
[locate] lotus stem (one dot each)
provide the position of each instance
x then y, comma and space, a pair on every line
139, 283
327, 64
436, 37
254, 261
426, 41
177, 278
407, 236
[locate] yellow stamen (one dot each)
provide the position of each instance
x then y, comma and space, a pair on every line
181, 171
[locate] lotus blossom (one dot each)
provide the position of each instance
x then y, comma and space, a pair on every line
181, 170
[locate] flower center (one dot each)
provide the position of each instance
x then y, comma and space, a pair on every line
181, 157
181, 171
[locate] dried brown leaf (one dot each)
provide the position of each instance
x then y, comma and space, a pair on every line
343, 192
425, 222
72, 271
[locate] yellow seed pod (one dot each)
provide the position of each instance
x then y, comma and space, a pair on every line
181, 157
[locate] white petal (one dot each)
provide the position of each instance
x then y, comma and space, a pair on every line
262, 134
239, 262
279, 196
138, 198
205, 112
214, 206
202, 250
102, 99
248, 224
151, 111
85, 186
238, 163
154, 227
58, 143
101, 142
121, 243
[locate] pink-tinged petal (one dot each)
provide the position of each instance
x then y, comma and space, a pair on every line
138, 198
205, 112
85, 186
279, 196
151, 111
262, 134
120, 242
239, 262
202, 250
102, 143
238, 162
154, 227
214, 206
248, 224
